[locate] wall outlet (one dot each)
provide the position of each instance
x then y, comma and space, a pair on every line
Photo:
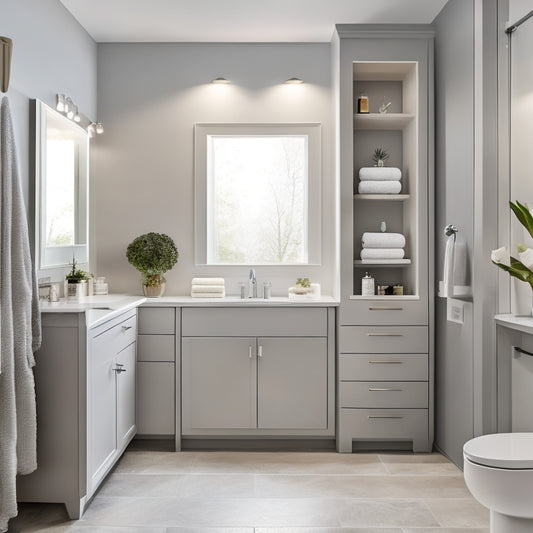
455, 311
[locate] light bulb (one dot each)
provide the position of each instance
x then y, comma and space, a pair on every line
77, 117
220, 81
60, 102
91, 129
293, 81
69, 107
99, 128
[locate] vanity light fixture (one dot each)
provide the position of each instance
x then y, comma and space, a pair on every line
220, 81
293, 81
67, 107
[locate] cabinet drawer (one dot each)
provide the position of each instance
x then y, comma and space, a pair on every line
383, 339
385, 312
380, 394
157, 320
240, 322
386, 424
116, 338
386, 367
155, 348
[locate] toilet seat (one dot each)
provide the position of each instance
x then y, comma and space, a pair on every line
511, 451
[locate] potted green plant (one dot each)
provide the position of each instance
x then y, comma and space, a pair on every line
379, 157
152, 254
76, 282
521, 267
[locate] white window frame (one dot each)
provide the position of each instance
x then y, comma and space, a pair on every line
203, 131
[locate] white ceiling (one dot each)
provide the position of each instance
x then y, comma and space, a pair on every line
239, 20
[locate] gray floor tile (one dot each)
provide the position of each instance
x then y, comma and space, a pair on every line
210, 530
328, 486
386, 513
445, 530
326, 530
431, 464
461, 513
155, 463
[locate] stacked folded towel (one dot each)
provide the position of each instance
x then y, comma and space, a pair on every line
382, 246
380, 180
208, 288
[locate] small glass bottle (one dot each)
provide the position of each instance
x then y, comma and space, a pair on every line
362, 104
267, 288
367, 285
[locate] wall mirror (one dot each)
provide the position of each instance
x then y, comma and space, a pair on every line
61, 190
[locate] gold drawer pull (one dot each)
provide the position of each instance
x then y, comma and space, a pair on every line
383, 390
385, 308
385, 417
385, 334
385, 362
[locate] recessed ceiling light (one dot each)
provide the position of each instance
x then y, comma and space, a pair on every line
220, 81
293, 81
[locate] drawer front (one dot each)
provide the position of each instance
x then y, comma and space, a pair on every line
383, 339
386, 367
157, 321
384, 312
384, 424
116, 338
383, 394
241, 322
155, 348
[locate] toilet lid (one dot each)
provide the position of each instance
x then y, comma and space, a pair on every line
501, 450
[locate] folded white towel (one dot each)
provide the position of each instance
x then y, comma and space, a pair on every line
380, 173
196, 294
207, 288
379, 187
207, 281
382, 253
383, 240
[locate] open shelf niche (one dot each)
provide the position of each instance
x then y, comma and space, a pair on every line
396, 132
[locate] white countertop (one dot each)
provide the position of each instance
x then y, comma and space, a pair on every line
236, 301
97, 309
522, 323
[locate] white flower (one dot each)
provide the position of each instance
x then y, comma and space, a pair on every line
501, 255
526, 258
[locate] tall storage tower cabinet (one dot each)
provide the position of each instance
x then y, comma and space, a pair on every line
385, 343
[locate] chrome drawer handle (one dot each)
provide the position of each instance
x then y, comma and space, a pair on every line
383, 390
250, 351
522, 351
385, 417
125, 328
385, 334
385, 308
260, 351
119, 370
385, 362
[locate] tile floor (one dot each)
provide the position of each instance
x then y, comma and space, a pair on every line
271, 492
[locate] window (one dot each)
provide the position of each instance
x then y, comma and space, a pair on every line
257, 194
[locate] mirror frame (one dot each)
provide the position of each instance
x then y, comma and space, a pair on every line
50, 259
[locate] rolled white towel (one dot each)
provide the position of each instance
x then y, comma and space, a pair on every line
196, 294
383, 240
207, 281
382, 253
207, 288
380, 173
379, 187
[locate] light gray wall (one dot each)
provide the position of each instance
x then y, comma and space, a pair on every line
52, 54
149, 98
454, 84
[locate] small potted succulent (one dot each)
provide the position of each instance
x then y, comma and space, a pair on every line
152, 254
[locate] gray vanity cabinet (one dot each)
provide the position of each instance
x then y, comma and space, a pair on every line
258, 371
157, 401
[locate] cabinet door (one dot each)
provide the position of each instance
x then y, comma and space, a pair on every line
155, 398
125, 396
292, 383
101, 393
218, 383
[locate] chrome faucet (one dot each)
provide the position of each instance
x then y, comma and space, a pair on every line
252, 284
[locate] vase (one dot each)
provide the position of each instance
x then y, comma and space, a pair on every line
154, 291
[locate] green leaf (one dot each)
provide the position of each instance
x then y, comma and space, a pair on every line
523, 215
517, 270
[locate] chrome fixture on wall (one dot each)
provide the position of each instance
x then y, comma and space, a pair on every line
67, 107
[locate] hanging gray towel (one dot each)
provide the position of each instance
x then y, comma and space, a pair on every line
20, 328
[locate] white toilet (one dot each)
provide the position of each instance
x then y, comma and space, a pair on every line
498, 470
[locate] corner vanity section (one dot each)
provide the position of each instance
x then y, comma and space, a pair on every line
234, 369
85, 389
